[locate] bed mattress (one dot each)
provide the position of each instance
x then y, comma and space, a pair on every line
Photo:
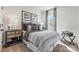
43, 41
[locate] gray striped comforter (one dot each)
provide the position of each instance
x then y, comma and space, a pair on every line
44, 40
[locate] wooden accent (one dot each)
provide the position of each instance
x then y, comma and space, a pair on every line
33, 27
24, 27
17, 48
12, 35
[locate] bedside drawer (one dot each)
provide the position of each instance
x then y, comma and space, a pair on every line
14, 35
10, 36
18, 32
10, 33
18, 35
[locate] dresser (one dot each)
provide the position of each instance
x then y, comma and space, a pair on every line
12, 37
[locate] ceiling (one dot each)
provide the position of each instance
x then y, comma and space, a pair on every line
41, 7
32, 7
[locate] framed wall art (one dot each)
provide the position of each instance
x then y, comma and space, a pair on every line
26, 16
34, 17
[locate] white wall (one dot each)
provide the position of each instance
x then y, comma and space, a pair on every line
0, 29
78, 28
12, 15
0, 16
78, 19
43, 17
67, 19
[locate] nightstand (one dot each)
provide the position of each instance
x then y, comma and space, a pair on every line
12, 37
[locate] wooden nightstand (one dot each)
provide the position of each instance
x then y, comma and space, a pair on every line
12, 37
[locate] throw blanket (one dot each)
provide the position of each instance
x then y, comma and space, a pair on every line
44, 40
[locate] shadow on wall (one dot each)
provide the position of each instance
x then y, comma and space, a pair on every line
12, 21
5, 22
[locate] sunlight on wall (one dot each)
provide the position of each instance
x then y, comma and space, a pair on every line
14, 22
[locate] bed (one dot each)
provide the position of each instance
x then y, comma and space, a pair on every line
41, 41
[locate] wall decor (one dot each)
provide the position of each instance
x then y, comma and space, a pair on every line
34, 17
26, 16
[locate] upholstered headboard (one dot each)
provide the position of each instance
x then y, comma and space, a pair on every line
30, 26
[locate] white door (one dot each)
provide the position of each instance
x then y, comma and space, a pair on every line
1, 27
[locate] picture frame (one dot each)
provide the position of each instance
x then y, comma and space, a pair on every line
34, 17
26, 16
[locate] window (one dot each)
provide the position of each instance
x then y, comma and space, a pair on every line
51, 19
